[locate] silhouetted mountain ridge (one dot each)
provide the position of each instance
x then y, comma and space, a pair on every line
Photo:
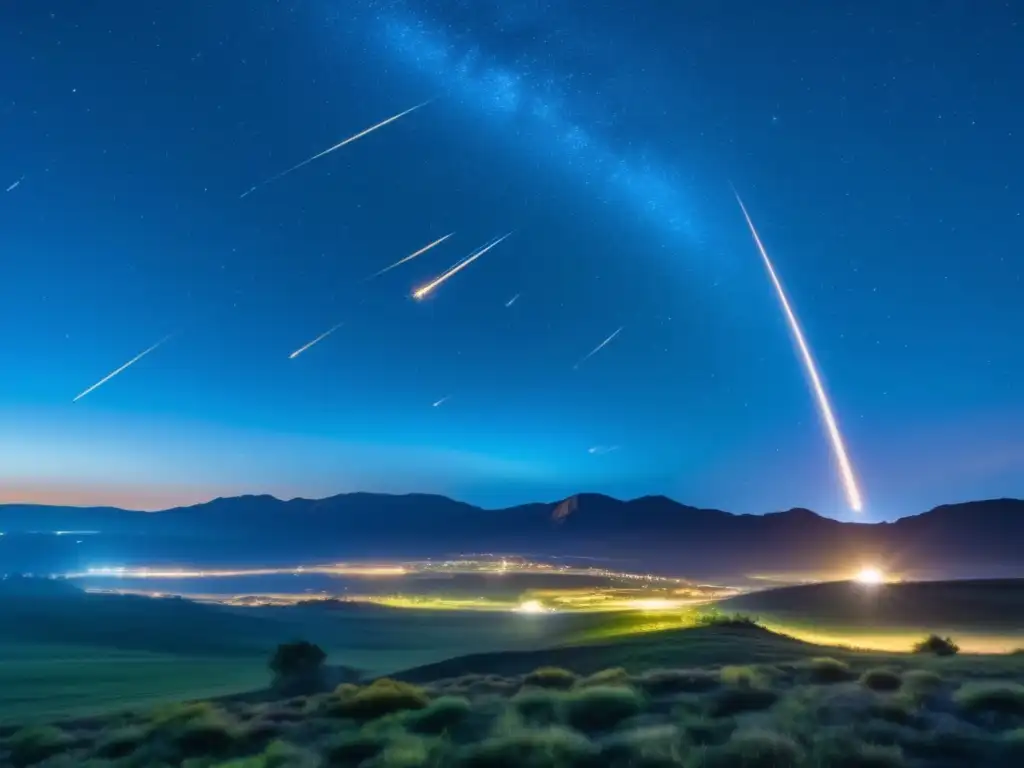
980, 538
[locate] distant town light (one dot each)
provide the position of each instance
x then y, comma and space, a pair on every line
531, 606
869, 575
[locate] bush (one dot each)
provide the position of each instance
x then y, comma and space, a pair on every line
921, 680
120, 742
940, 646
541, 748
612, 676
743, 677
733, 701
660, 682
538, 707
440, 715
881, 680
298, 667
754, 749
34, 744
355, 747
715, 618
1002, 698
852, 753
602, 707
828, 670
212, 733
550, 677
383, 697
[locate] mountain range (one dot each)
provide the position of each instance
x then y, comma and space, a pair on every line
654, 533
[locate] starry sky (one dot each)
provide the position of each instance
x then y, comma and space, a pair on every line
878, 146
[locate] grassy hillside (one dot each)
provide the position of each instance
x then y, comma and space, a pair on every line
984, 615
691, 709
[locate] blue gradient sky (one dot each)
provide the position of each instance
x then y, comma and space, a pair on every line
878, 150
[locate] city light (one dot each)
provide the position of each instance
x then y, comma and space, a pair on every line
869, 575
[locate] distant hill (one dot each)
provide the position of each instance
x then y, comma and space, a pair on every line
972, 539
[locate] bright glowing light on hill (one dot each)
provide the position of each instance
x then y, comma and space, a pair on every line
869, 575
654, 604
531, 606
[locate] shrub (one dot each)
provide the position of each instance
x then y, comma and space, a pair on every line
940, 646
406, 752
541, 748
298, 667
754, 749
828, 670
34, 744
652, 746
743, 677
881, 680
550, 677
538, 707
383, 697
612, 676
732, 701
120, 742
1002, 698
440, 715
853, 753
659, 682
211, 733
279, 754
602, 707
354, 747
713, 618
921, 680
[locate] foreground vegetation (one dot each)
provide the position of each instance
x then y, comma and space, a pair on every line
797, 709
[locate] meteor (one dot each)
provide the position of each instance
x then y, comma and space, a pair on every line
419, 293
339, 145
411, 256
14, 186
511, 301
824, 406
440, 402
599, 347
319, 338
109, 376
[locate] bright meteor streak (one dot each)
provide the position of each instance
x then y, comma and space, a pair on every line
832, 427
599, 347
419, 293
411, 256
319, 338
109, 376
339, 145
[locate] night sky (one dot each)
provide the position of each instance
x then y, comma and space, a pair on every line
878, 146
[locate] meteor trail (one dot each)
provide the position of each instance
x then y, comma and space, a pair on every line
511, 301
411, 256
599, 347
824, 407
14, 186
419, 293
439, 402
321, 337
109, 376
339, 145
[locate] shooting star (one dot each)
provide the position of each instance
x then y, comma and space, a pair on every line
601, 450
109, 376
319, 338
599, 347
824, 406
441, 401
328, 151
410, 257
512, 301
15, 185
419, 293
